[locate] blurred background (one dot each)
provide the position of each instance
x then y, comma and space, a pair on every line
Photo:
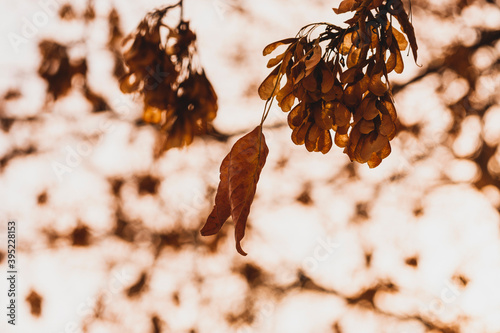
109, 233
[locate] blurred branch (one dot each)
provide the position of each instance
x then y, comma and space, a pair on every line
487, 38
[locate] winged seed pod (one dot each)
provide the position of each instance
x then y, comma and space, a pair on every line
340, 80
177, 95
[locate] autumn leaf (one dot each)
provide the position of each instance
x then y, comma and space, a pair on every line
240, 172
247, 158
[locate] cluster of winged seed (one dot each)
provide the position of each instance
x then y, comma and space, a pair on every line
177, 95
340, 79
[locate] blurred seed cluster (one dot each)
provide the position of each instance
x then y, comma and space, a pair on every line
177, 94
344, 84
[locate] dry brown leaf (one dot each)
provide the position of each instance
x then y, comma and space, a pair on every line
247, 158
371, 110
287, 102
240, 172
352, 95
386, 151
354, 138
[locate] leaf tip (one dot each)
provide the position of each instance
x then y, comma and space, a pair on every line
239, 249
207, 231
211, 226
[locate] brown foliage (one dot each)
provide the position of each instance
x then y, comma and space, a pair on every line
239, 174
177, 95
343, 86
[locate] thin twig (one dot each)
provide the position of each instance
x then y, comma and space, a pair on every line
181, 3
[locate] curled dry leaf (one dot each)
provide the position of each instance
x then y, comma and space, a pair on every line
240, 172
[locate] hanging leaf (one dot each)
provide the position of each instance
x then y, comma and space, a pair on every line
240, 172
